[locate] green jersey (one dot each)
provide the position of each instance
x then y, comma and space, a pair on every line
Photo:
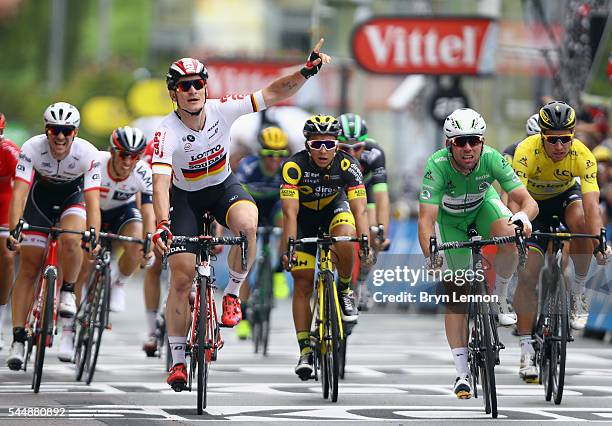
458, 194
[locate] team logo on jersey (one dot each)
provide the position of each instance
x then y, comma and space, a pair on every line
483, 186
589, 164
425, 194
345, 164
122, 196
206, 164
428, 175
191, 138
291, 173
523, 161
562, 174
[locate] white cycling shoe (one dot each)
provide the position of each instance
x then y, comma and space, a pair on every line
579, 313
117, 297
505, 315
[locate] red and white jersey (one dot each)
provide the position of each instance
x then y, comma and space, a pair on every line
116, 193
81, 162
148, 153
199, 159
9, 155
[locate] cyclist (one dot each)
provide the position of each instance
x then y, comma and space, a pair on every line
9, 154
192, 151
457, 192
57, 179
260, 176
354, 140
531, 128
322, 190
548, 163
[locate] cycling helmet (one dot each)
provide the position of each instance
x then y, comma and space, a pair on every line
183, 67
464, 122
128, 139
322, 125
602, 154
273, 137
2, 121
62, 114
557, 115
353, 128
532, 127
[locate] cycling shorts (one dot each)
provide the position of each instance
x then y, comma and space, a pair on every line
113, 220
46, 207
312, 223
454, 228
550, 207
188, 207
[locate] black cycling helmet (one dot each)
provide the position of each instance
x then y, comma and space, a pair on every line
322, 125
353, 128
557, 115
128, 139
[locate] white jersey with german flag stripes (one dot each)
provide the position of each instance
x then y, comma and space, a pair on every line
199, 159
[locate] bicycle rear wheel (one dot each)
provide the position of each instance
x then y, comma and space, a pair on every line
100, 322
201, 349
46, 327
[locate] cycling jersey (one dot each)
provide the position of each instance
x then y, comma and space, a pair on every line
255, 179
509, 151
314, 187
147, 157
115, 193
545, 178
458, 194
372, 162
199, 159
81, 165
9, 154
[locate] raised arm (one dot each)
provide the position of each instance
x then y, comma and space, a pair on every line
287, 86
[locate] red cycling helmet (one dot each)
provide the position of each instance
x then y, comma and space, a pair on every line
183, 67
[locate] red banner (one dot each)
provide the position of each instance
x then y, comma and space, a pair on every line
412, 45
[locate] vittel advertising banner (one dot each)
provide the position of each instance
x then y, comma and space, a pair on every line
415, 45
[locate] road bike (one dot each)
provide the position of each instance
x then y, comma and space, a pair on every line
552, 330
204, 337
484, 344
92, 317
41, 322
327, 331
261, 300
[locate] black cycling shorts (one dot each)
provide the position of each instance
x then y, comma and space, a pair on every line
188, 208
552, 207
113, 220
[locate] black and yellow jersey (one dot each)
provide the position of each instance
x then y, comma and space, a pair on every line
545, 178
316, 188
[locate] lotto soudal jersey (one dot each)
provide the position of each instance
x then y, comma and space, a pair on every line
81, 165
199, 159
115, 193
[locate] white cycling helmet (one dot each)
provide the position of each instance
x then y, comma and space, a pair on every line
62, 114
464, 122
532, 127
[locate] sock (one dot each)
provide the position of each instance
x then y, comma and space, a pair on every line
460, 357
303, 338
526, 346
344, 284
19, 334
68, 330
579, 284
501, 286
120, 279
235, 281
151, 321
244, 307
177, 347
66, 286
2, 313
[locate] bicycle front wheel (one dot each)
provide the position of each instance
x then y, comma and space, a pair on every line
202, 349
46, 328
332, 335
557, 353
100, 322
487, 366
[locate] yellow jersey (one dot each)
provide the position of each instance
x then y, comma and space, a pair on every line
544, 178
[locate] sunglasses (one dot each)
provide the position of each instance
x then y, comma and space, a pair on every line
553, 139
329, 144
65, 130
351, 147
274, 153
125, 154
462, 141
184, 86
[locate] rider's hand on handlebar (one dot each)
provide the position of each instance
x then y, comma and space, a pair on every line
604, 259
378, 246
162, 238
520, 218
285, 261
12, 243
435, 266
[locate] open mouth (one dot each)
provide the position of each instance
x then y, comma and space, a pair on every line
467, 157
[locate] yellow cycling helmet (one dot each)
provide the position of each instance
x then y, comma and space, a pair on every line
273, 138
602, 153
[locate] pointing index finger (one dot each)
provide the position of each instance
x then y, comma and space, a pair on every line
318, 46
